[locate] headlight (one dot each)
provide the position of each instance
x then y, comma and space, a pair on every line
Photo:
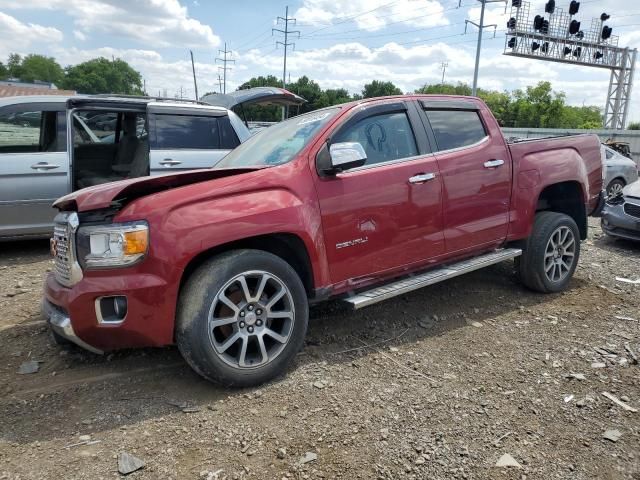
117, 245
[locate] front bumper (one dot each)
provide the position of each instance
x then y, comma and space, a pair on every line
149, 322
60, 323
616, 223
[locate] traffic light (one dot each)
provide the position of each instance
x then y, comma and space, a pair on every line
580, 35
606, 32
598, 55
511, 24
545, 47
535, 46
516, 3
574, 7
512, 43
604, 17
577, 52
545, 26
537, 22
550, 6
566, 51
574, 27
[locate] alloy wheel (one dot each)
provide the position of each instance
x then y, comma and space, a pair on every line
251, 319
559, 254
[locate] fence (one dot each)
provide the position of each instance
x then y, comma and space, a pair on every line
630, 136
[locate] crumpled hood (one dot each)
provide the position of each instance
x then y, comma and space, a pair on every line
119, 193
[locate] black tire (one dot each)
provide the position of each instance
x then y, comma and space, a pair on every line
615, 184
199, 299
531, 266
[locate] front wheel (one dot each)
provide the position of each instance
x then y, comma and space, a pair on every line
615, 187
242, 317
551, 254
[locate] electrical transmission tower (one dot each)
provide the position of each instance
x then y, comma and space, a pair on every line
286, 32
224, 68
443, 66
481, 26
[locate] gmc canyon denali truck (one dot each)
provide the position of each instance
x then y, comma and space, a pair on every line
360, 202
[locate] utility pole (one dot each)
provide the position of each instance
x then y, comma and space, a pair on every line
181, 94
443, 66
285, 21
219, 83
481, 26
193, 68
224, 68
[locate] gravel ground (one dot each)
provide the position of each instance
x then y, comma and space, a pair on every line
440, 383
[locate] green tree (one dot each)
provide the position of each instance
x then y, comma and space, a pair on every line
38, 67
4, 72
14, 64
310, 91
261, 113
103, 76
633, 126
380, 89
335, 96
445, 89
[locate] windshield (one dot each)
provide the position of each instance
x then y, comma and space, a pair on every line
279, 143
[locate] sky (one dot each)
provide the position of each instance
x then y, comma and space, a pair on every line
341, 44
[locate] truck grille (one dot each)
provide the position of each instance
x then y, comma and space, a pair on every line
66, 269
632, 209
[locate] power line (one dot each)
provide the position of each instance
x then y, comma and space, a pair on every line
224, 68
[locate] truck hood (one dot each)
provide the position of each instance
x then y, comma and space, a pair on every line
117, 194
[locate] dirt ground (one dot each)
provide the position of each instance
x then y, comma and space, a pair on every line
436, 384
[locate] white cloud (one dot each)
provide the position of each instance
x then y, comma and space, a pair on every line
16, 36
372, 14
161, 23
79, 35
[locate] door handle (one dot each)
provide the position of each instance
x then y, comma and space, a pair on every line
422, 177
44, 166
493, 163
167, 162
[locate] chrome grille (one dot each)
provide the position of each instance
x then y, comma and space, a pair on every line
66, 269
632, 209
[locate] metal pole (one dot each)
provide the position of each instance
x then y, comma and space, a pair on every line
195, 83
224, 72
629, 86
480, 31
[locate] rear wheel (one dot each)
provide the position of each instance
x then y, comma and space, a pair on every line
551, 254
242, 317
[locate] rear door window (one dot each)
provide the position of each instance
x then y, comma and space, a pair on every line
25, 129
186, 132
456, 128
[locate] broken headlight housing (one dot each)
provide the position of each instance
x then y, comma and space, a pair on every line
115, 245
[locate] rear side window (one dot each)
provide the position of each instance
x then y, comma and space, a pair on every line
228, 137
456, 128
25, 131
186, 131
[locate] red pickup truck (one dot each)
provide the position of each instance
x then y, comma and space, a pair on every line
359, 202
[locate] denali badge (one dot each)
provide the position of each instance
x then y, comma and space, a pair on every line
351, 243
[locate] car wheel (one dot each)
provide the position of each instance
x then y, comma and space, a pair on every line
551, 253
242, 317
615, 187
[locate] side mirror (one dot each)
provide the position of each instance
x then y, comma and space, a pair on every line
346, 155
